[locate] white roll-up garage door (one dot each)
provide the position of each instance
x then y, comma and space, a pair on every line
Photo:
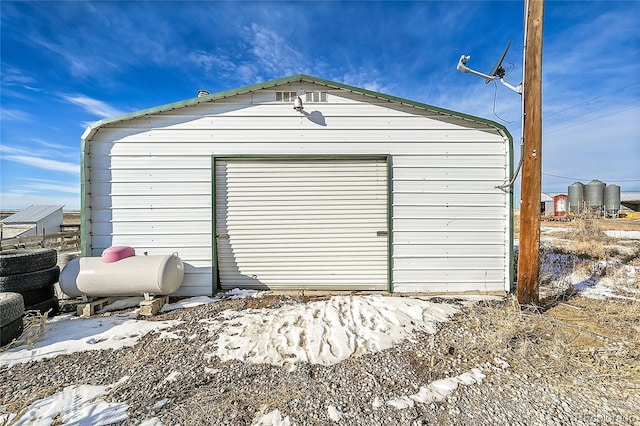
301, 223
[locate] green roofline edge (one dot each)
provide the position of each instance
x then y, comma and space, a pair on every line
273, 83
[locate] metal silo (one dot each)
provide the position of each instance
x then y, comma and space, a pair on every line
594, 195
576, 197
611, 200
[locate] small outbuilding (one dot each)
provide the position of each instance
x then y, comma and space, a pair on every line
630, 201
303, 183
34, 220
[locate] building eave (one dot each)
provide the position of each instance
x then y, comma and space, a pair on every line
299, 78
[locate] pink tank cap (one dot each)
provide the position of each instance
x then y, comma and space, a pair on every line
115, 253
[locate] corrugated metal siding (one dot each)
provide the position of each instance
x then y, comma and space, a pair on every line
158, 205
450, 223
302, 224
150, 181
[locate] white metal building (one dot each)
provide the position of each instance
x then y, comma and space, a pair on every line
358, 190
34, 220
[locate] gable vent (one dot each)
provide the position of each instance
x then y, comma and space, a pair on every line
315, 96
286, 96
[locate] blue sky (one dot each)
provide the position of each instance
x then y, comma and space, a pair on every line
66, 64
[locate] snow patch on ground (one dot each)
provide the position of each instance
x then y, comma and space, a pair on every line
323, 332
120, 304
66, 334
74, 405
190, 302
602, 279
627, 235
553, 229
438, 390
272, 418
238, 293
334, 413
154, 421
172, 377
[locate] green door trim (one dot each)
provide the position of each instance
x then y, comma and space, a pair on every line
215, 275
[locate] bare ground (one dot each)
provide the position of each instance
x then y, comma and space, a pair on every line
570, 360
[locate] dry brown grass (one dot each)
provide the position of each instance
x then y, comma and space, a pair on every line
569, 335
588, 229
34, 324
585, 237
71, 217
620, 224
581, 338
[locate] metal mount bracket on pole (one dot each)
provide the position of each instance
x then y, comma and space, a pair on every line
462, 67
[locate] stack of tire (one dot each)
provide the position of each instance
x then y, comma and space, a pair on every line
11, 310
32, 274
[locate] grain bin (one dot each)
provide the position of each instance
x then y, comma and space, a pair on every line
576, 197
594, 195
611, 200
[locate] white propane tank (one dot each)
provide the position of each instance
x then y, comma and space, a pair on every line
131, 276
68, 278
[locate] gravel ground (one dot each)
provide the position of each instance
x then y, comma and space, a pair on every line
574, 360
534, 374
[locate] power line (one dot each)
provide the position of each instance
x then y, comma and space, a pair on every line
626, 88
581, 179
593, 119
570, 107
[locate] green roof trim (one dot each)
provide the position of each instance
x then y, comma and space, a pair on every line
299, 78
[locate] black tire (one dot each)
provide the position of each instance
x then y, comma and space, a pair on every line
11, 331
45, 306
11, 307
33, 297
14, 262
30, 281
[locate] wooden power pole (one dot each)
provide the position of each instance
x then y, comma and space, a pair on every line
529, 251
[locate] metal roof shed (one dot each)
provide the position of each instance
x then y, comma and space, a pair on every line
42, 218
357, 190
630, 200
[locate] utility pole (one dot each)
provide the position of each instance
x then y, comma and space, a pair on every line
529, 251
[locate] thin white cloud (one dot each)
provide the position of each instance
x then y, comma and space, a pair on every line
12, 150
93, 106
369, 79
208, 61
86, 53
247, 73
52, 145
44, 163
13, 76
272, 51
265, 54
8, 114
78, 65
44, 185
45, 150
